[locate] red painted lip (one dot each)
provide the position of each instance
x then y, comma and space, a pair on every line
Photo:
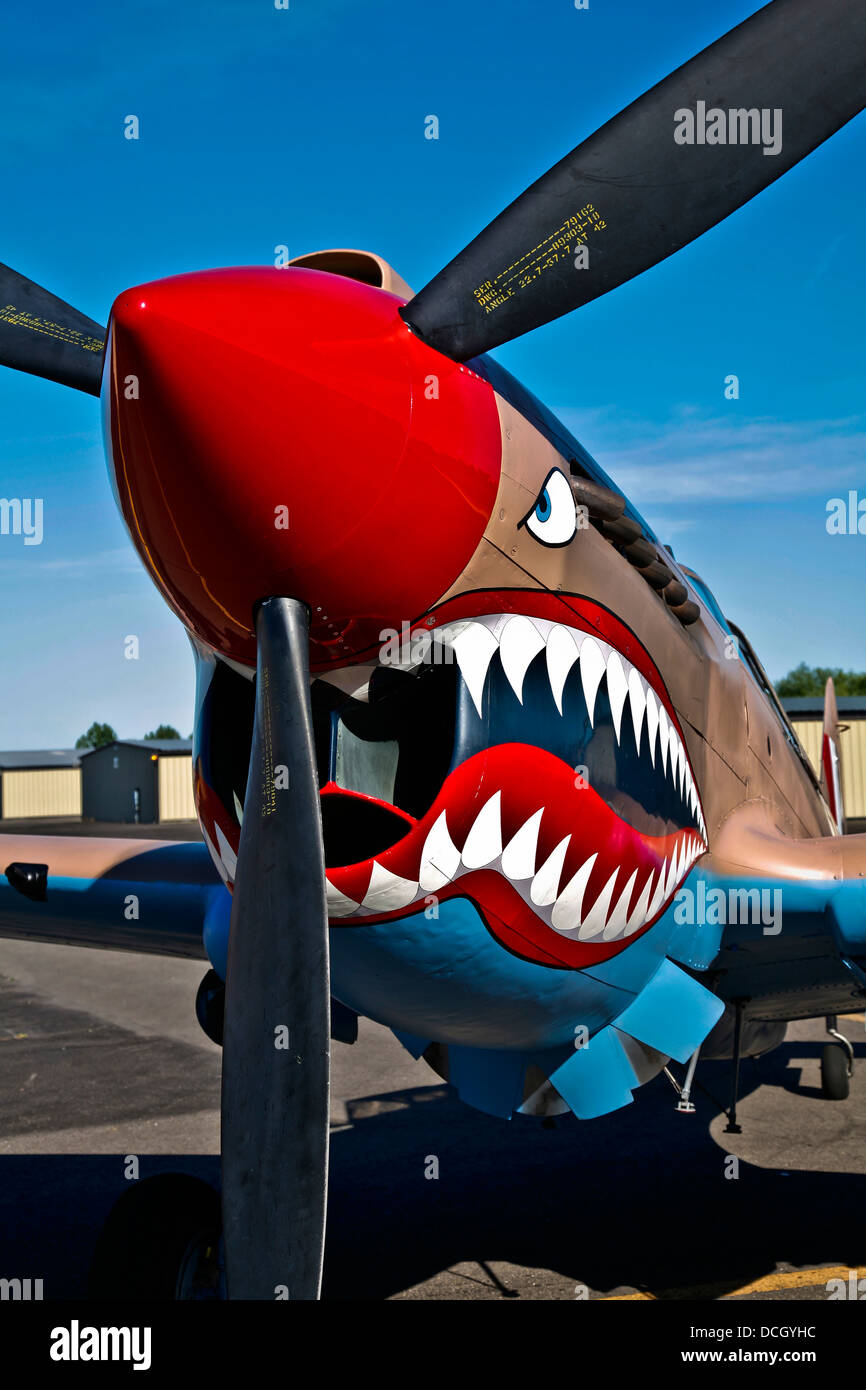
525, 780
634, 874
572, 610
627, 878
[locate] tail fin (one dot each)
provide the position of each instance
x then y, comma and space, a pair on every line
831, 760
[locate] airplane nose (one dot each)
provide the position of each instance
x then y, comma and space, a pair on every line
282, 431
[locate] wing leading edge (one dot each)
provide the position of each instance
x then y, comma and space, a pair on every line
152, 896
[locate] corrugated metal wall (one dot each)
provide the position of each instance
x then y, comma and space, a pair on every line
52, 791
853, 741
175, 788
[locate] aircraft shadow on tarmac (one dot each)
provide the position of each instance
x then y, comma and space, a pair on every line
637, 1198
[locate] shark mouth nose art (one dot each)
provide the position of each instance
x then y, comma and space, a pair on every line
529, 760
520, 751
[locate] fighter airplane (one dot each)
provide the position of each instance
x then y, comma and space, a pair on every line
467, 735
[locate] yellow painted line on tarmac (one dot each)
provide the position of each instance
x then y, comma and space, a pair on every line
771, 1283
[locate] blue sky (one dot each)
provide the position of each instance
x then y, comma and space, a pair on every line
306, 127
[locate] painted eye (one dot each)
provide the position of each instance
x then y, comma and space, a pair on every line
552, 520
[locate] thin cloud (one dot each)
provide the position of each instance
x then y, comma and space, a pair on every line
30, 558
692, 459
123, 558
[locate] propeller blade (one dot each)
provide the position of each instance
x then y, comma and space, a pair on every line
633, 195
43, 335
275, 1086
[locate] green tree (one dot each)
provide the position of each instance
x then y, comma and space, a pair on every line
97, 736
163, 731
811, 680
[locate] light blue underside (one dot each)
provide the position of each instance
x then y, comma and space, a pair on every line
448, 980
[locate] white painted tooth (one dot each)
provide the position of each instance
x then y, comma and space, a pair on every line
637, 701
388, 892
215, 856
519, 644
595, 920
518, 857
562, 652
675, 753
338, 904
618, 919
659, 895
617, 689
414, 655
664, 734
239, 810
545, 886
353, 680
440, 858
652, 724
484, 841
568, 906
227, 854
474, 648
673, 873
592, 667
673, 756
449, 634
683, 766
640, 911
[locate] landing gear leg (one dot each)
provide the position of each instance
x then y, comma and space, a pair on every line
837, 1063
684, 1104
732, 1127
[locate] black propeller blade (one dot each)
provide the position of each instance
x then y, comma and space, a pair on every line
275, 1092
633, 195
41, 334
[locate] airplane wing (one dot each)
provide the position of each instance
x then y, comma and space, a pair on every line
780, 922
154, 896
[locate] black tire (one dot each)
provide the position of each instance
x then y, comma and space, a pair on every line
210, 1006
152, 1234
835, 1082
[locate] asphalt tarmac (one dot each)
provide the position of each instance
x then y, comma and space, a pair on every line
101, 1057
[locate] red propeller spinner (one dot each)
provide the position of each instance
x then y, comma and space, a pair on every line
284, 432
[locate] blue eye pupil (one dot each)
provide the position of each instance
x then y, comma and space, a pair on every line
542, 506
